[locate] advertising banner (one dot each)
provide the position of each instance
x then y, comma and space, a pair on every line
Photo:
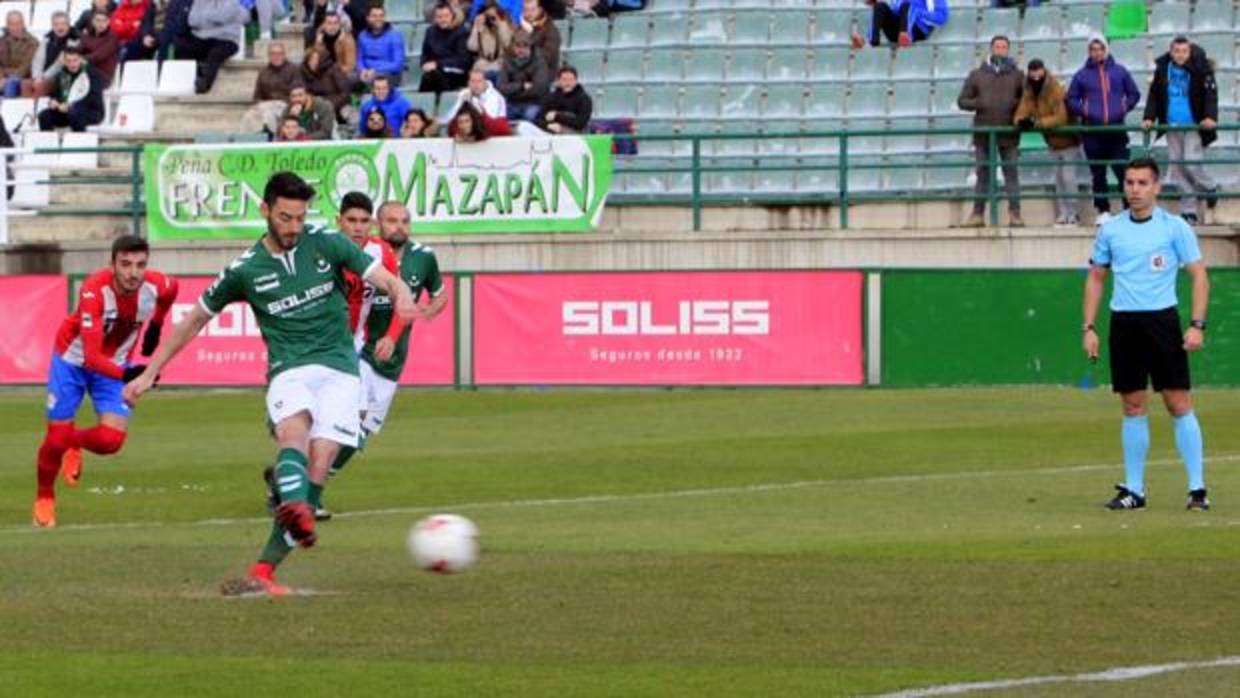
502, 185
34, 307
669, 328
230, 350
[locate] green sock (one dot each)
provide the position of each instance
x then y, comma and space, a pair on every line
292, 481
278, 546
316, 495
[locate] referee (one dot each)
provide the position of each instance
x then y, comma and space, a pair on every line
1145, 248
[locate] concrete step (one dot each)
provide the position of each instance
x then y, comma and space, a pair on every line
64, 192
66, 228
198, 114
236, 80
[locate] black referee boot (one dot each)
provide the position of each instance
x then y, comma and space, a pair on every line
1197, 500
1126, 499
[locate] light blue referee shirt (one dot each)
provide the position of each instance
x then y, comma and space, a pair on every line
1145, 257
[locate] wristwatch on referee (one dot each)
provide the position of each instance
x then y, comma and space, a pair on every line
1199, 324
1089, 328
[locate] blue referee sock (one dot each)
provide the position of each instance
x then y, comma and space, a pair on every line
1136, 439
1188, 441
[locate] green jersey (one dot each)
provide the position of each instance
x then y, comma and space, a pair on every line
298, 299
420, 271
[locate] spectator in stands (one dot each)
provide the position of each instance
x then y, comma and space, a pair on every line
17, 49
126, 21
316, 116
524, 80
466, 126
215, 26
512, 8
76, 98
1102, 93
1042, 107
84, 19
291, 131
567, 109
902, 21
386, 98
992, 92
46, 61
356, 11
418, 125
271, 91
460, 10
100, 48
264, 11
324, 78
489, 39
171, 23
482, 95
445, 56
337, 44
544, 35
380, 49
1184, 93
375, 124
143, 43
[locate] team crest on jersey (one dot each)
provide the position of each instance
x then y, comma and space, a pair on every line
1158, 262
323, 266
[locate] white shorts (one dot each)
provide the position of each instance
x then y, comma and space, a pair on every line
377, 395
330, 396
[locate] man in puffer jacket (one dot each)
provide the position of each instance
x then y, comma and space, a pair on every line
1102, 93
77, 95
215, 28
992, 92
380, 49
1042, 107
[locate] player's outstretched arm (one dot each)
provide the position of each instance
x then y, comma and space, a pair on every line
387, 282
182, 333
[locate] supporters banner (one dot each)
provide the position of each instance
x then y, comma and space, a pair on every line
669, 328
502, 185
34, 307
230, 350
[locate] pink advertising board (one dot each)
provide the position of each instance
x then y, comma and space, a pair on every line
669, 328
33, 308
229, 351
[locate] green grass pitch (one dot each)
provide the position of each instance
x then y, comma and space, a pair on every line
635, 543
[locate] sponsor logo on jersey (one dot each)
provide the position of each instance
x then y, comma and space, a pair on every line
299, 299
266, 282
633, 317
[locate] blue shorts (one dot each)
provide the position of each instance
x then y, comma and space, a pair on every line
68, 384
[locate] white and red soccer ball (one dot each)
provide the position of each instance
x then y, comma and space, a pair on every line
444, 543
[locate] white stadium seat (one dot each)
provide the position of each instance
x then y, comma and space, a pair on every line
19, 114
22, 7
26, 192
176, 78
133, 114
139, 78
79, 161
41, 17
39, 139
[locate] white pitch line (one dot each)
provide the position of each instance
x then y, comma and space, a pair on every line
639, 496
1110, 675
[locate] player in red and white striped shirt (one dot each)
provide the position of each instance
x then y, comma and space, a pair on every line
91, 357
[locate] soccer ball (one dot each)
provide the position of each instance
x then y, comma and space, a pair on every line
444, 543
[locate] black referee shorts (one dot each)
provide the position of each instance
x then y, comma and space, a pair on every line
1147, 346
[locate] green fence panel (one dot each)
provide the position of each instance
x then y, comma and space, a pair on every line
1023, 327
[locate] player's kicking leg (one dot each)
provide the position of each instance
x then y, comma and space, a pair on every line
377, 395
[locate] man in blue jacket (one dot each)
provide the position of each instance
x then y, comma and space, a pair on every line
902, 21
389, 100
1102, 93
380, 49
446, 59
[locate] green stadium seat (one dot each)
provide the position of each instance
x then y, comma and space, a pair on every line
787, 145
1080, 21
865, 180
709, 28
624, 65
955, 61
826, 100
913, 63
911, 99
413, 42
1222, 49
790, 28
705, 65
747, 64
426, 101
787, 65
784, 101
832, 27
641, 183
961, 29
871, 65
998, 21
727, 183
949, 142
741, 101
1169, 18
829, 65
1126, 19
618, 101
942, 172
665, 65
659, 101
402, 10
712, 5
752, 28
1049, 51
820, 182
670, 30
588, 63
1041, 22
943, 97
868, 99
589, 34
821, 145
630, 31
736, 147
1215, 16
905, 174
756, 4
1132, 54
774, 182
701, 102
658, 127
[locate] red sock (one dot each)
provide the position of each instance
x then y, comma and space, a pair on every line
59, 439
100, 439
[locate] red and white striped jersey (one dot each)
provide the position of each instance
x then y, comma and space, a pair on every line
101, 334
359, 292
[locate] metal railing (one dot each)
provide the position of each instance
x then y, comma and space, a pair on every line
697, 164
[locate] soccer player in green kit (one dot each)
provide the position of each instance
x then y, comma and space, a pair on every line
382, 358
292, 278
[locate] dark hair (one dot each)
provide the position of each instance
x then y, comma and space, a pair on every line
129, 243
367, 132
1000, 37
381, 76
1144, 163
356, 199
286, 185
566, 68
71, 49
1181, 39
477, 129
